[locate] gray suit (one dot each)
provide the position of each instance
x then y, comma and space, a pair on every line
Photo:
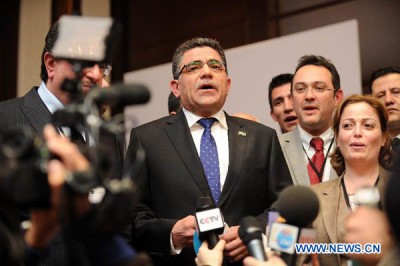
333, 210
294, 155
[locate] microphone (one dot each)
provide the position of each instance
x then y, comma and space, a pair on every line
251, 234
210, 222
299, 206
121, 94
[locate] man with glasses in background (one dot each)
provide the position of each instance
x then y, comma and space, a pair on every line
316, 93
35, 110
201, 151
384, 84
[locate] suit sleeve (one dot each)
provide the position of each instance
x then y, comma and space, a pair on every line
278, 176
148, 232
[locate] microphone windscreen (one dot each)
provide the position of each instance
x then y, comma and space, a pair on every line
298, 205
204, 203
122, 94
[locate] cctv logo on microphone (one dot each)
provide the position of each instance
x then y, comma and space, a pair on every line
209, 220
283, 237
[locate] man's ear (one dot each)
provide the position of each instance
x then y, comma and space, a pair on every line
174, 86
273, 116
338, 97
49, 62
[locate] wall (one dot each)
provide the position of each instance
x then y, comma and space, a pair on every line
252, 66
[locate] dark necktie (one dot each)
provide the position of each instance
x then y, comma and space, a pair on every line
315, 166
209, 158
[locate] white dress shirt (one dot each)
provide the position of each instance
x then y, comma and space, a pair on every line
327, 137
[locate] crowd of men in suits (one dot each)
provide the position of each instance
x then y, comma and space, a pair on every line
203, 151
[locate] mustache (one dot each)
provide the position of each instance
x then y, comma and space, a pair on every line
208, 82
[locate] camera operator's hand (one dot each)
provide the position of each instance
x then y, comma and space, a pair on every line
44, 223
208, 256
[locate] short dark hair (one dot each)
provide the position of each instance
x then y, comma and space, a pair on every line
276, 82
194, 43
174, 103
318, 60
50, 40
386, 156
380, 73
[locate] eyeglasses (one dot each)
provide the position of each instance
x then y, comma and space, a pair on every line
193, 67
304, 90
105, 69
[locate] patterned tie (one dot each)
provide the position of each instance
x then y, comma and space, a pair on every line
317, 161
209, 158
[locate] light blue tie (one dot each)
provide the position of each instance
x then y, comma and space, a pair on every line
209, 158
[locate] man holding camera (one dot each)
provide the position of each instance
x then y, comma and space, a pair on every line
36, 108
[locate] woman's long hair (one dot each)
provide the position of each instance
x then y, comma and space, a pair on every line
386, 157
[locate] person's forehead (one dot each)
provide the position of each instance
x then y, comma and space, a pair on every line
281, 91
312, 73
386, 81
359, 110
200, 53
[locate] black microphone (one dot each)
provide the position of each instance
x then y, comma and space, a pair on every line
121, 94
299, 206
251, 234
210, 222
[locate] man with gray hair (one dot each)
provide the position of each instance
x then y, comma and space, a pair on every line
201, 151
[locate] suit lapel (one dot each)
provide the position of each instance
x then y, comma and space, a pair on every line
179, 133
294, 154
237, 136
35, 111
330, 208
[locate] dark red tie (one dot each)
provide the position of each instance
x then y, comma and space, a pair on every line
317, 161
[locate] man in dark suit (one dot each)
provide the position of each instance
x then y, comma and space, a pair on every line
35, 109
250, 165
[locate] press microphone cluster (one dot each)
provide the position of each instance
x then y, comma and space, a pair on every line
210, 222
299, 206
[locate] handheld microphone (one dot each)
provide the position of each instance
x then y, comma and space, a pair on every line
210, 222
251, 234
368, 196
299, 206
121, 94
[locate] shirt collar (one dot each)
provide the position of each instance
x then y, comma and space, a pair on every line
193, 118
306, 137
52, 102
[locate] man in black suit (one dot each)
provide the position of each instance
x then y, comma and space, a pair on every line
251, 166
35, 110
